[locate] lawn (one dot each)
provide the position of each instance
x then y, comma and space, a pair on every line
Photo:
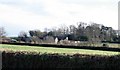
54, 50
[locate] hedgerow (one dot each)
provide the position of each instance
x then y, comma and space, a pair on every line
34, 60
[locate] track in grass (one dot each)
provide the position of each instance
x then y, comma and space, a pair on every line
55, 50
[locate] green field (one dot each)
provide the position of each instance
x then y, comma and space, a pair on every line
54, 50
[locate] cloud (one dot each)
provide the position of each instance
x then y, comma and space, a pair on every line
38, 14
16, 16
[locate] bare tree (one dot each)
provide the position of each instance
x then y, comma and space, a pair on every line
72, 29
63, 29
2, 32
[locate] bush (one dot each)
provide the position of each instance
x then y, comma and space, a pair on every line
105, 45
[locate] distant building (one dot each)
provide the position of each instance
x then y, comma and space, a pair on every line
56, 40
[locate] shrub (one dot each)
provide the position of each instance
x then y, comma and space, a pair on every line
105, 45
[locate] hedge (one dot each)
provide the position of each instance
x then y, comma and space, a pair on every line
31, 60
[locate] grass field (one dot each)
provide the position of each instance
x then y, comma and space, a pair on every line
55, 50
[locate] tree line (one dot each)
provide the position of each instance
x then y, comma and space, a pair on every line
81, 32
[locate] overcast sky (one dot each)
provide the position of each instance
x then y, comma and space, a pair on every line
24, 15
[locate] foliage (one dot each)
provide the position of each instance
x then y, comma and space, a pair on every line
82, 32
